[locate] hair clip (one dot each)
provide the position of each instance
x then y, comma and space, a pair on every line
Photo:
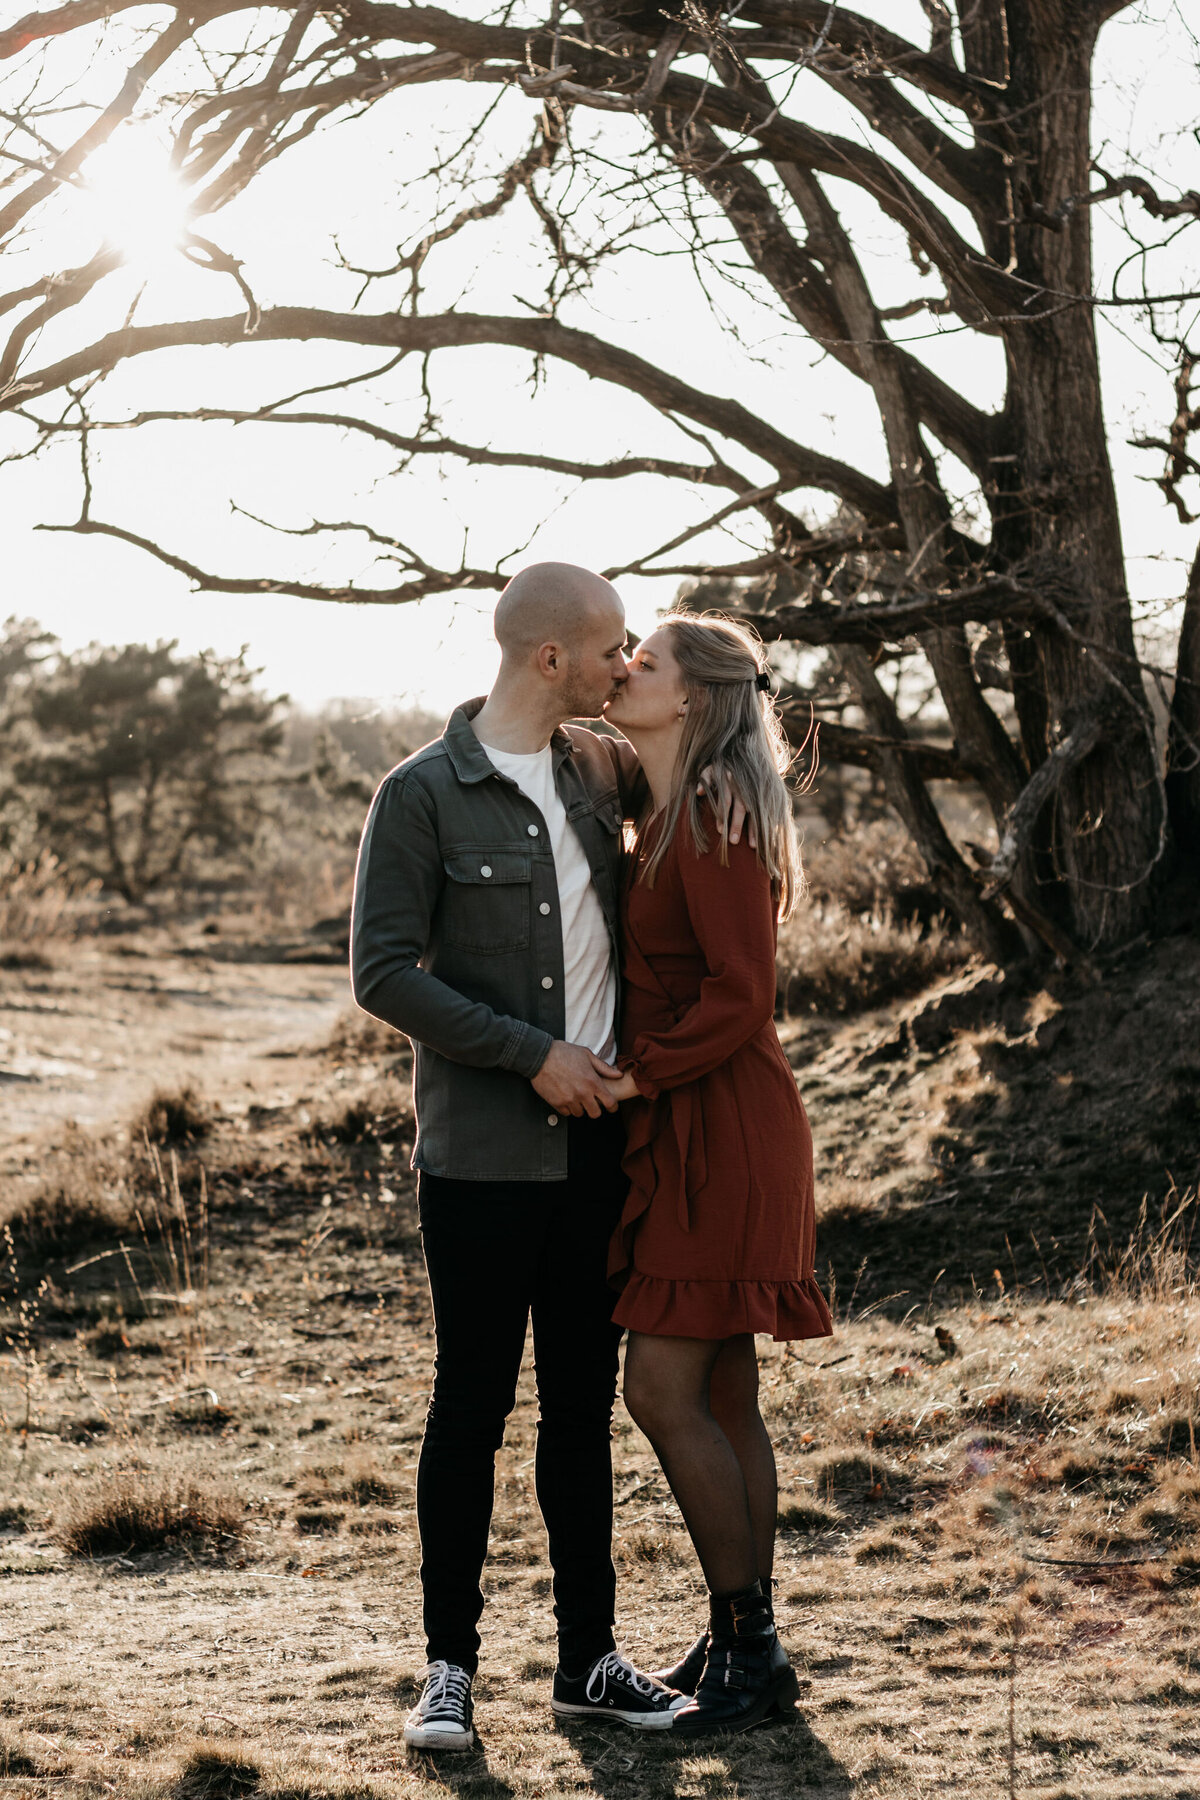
762, 681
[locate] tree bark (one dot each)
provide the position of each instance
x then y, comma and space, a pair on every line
1183, 740
1054, 502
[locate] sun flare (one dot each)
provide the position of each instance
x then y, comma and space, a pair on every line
135, 199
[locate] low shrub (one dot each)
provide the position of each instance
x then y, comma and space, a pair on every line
357, 1037
831, 960
873, 868
381, 1114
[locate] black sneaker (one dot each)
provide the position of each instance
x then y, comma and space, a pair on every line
614, 1689
441, 1719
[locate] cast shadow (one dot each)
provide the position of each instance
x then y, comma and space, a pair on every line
784, 1756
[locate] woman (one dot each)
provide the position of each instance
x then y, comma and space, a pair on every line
716, 1241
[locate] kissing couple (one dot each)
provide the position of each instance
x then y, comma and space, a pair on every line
580, 944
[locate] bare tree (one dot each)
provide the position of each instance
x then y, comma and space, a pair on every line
973, 148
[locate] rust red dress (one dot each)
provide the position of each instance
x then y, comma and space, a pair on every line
717, 1235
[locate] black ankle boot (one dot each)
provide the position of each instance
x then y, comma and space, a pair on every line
747, 1677
684, 1676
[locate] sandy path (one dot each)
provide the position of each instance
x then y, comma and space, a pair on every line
90, 1038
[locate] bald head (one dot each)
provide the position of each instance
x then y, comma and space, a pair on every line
553, 603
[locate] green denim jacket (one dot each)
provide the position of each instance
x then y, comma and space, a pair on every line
457, 937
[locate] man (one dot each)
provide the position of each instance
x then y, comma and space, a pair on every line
485, 928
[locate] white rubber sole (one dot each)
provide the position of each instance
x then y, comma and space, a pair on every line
429, 1737
566, 1709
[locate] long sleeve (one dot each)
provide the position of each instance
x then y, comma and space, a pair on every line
397, 887
731, 910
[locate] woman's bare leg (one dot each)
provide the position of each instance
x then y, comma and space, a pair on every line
667, 1391
733, 1400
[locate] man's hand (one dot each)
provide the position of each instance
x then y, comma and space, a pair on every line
572, 1080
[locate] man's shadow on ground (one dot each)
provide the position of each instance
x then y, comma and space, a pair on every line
783, 1756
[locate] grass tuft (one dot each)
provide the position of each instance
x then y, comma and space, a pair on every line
134, 1510
216, 1775
171, 1116
85, 1196
14, 1761
319, 1521
808, 1517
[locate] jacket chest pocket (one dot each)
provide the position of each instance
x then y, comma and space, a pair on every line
487, 900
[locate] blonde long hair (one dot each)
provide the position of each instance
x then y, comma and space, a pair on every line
733, 731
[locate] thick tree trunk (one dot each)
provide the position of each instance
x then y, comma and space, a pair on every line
1183, 742
1055, 503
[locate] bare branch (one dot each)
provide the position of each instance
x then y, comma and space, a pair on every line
711, 474
843, 744
804, 286
870, 45
59, 20
429, 581
101, 128
890, 621
1023, 815
546, 337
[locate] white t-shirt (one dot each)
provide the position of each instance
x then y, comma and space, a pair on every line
588, 968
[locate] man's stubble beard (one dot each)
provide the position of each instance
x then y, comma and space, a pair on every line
583, 701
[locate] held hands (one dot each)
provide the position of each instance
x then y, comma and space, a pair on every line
572, 1080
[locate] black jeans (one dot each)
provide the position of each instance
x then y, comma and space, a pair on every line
497, 1253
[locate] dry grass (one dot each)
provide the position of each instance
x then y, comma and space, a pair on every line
873, 868
134, 1511
381, 1113
171, 1116
989, 1481
37, 902
82, 1193
834, 961
358, 1038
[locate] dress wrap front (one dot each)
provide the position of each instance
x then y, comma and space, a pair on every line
717, 1236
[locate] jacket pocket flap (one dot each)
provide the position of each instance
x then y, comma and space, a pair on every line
488, 868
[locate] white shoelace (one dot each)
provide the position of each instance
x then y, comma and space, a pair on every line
614, 1667
447, 1687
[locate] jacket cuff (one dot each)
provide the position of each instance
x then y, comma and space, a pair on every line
527, 1048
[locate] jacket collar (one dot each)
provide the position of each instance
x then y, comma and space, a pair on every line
470, 759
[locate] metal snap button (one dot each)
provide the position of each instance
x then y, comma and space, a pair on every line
544, 907
485, 870
547, 981
552, 1119
532, 830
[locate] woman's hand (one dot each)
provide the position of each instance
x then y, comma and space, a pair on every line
623, 1088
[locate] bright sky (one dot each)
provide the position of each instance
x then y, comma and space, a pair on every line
176, 483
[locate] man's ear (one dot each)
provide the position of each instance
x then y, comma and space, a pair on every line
551, 661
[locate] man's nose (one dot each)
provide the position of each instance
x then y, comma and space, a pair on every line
621, 670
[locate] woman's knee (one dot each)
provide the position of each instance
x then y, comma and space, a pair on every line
661, 1412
